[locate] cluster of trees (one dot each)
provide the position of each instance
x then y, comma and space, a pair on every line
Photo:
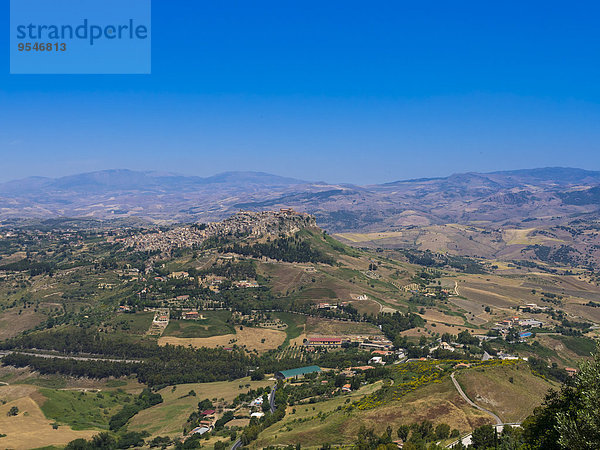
107, 441
145, 400
160, 366
72, 367
320, 387
33, 267
423, 432
430, 259
486, 437
233, 271
290, 249
553, 372
570, 417
392, 324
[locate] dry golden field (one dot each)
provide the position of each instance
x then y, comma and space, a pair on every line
259, 339
30, 428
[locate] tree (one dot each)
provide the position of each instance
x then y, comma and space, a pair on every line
447, 337
511, 438
78, 444
132, 439
483, 437
422, 431
464, 337
512, 335
13, 411
580, 427
442, 431
539, 429
104, 441
403, 431
569, 418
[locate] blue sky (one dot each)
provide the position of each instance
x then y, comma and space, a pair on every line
341, 91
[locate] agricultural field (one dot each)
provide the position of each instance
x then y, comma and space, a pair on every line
251, 339
213, 324
296, 326
136, 324
326, 327
15, 320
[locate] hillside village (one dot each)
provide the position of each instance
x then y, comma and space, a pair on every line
250, 224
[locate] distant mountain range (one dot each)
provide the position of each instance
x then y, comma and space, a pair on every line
494, 198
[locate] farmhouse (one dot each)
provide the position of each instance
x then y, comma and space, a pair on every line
379, 344
382, 352
193, 315
179, 275
200, 430
531, 323
324, 342
327, 306
247, 284
295, 373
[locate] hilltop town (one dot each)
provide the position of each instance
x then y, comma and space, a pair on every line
249, 224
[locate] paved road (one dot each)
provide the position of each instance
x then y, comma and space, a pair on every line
77, 358
468, 400
238, 443
272, 399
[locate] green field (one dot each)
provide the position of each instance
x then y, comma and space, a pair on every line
295, 325
137, 323
83, 410
214, 324
582, 346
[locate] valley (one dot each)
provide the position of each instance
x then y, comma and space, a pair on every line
119, 331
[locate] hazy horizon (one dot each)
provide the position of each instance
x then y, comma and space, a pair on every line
342, 92
182, 173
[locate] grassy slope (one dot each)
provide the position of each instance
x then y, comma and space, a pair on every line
83, 410
492, 389
169, 417
438, 402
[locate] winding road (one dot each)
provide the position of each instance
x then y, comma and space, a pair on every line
238, 443
468, 400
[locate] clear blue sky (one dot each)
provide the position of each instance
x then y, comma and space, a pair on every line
341, 91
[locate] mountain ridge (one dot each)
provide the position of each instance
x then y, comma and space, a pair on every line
496, 197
